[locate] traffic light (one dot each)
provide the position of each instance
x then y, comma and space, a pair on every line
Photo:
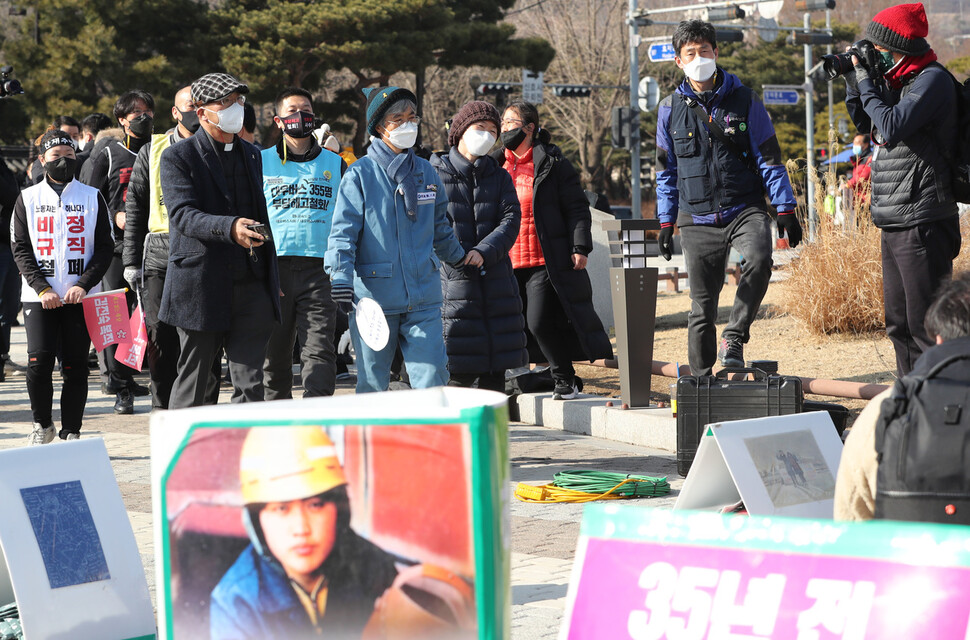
729, 35
494, 88
814, 5
725, 13
620, 127
647, 172
813, 37
572, 91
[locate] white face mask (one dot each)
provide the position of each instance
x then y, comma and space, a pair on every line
81, 144
403, 136
478, 142
231, 119
700, 69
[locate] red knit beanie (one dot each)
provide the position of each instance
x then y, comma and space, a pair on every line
902, 29
469, 114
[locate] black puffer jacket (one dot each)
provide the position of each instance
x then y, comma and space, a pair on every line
916, 127
482, 311
563, 224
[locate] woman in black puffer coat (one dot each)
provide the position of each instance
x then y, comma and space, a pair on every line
482, 310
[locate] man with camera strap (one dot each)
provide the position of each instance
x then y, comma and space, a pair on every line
908, 101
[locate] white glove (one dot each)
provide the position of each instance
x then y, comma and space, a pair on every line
325, 139
343, 345
133, 277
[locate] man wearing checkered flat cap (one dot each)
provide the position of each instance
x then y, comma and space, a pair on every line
907, 101
222, 286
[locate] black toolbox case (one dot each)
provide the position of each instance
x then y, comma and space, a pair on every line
702, 400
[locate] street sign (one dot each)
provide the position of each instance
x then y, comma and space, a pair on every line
663, 52
780, 96
532, 86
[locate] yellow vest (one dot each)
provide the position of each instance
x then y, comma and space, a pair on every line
157, 213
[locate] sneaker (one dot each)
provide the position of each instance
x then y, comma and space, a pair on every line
124, 405
731, 353
41, 435
565, 390
72, 436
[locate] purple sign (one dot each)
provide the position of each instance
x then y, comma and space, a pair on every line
649, 590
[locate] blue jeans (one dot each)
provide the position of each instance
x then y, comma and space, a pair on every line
9, 296
421, 337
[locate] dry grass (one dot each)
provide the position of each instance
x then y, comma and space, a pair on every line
835, 284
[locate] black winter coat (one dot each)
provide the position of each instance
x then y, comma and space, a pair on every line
563, 222
482, 311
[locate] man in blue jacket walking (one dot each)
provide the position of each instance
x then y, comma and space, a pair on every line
389, 235
718, 155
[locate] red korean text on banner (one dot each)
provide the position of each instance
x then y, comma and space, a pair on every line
133, 354
106, 316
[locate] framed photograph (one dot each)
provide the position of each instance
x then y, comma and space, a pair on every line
780, 465
68, 546
276, 523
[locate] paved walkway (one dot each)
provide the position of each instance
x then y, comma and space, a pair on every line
543, 536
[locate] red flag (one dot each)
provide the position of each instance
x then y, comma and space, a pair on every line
133, 354
106, 316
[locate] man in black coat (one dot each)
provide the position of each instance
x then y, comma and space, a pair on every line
908, 102
222, 286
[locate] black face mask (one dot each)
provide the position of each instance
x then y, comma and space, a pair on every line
190, 120
513, 138
142, 126
298, 125
62, 169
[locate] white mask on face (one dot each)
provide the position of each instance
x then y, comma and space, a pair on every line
81, 144
700, 69
478, 142
231, 119
404, 136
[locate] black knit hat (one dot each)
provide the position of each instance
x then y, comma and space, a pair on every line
469, 114
379, 100
902, 29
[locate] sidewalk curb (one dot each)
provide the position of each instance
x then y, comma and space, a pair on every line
588, 415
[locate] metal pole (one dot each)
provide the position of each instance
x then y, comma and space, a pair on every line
828, 50
810, 138
635, 194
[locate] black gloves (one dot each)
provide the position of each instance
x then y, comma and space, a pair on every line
788, 223
344, 297
666, 242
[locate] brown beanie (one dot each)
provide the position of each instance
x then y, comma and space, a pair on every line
469, 114
902, 29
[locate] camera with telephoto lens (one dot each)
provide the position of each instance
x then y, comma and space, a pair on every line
9, 86
839, 64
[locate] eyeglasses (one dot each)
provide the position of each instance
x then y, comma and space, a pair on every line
137, 112
393, 124
228, 101
513, 121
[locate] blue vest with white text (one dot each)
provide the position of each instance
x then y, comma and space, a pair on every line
300, 197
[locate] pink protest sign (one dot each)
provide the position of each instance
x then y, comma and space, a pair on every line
133, 353
106, 317
742, 583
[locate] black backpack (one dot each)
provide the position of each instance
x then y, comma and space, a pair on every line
961, 163
923, 448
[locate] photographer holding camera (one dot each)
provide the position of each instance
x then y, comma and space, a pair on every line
897, 91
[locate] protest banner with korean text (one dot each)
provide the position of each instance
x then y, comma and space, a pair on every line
106, 317
647, 574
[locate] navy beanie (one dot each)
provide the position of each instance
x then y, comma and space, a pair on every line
379, 99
